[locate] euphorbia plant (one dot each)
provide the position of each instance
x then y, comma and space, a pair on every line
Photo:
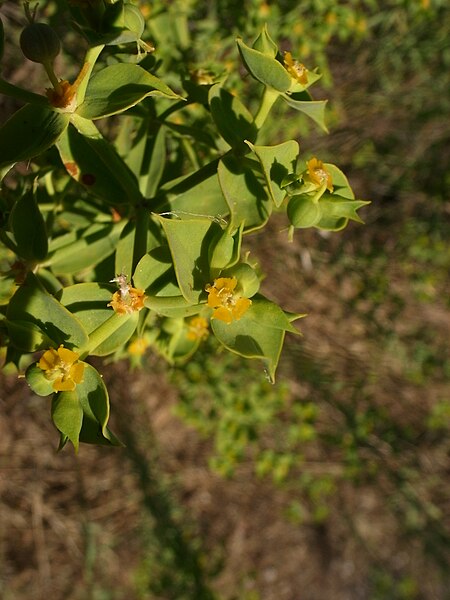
121, 243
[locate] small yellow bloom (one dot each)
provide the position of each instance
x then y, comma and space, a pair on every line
138, 347
125, 304
65, 95
318, 173
228, 306
295, 69
197, 329
62, 368
127, 299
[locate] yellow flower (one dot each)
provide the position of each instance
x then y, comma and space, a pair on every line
228, 306
138, 347
125, 304
197, 329
295, 69
318, 173
127, 299
62, 368
64, 96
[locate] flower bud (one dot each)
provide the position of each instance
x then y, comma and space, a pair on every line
39, 43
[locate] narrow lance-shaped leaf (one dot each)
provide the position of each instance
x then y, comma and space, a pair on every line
28, 226
29, 132
32, 303
92, 161
119, 87
93, 245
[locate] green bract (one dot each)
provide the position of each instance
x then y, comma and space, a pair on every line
130, 236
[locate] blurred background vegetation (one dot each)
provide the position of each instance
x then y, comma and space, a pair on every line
333, 483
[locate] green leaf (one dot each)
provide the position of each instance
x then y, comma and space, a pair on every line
233, 120
94, 400
93, 396
205, 199
188, 241
119, 87
265, 44
67, 415
259, 333
337, 211
277, 162
341, 186
27, 336
29, 132
28, 227
153, 164
303, 212
225, 250
38, 383
92, 245
32, 303
172, 306
130, 25
264, 68
125, 248
93, 162
314, 109
246, 197
89, 302
155, 273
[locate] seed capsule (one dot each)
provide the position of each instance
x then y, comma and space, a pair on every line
40, 43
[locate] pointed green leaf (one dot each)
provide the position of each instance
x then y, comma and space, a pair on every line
29, 132
28, 227
155, 273
93, 162
188, 241
226, 250
32, 303
204, 198
277, 163
125, 248
67, 416
118, 87
93, 245
314, 109
265, 44
246, 198
264, 68
27, 336
341, 186
93, 397
259, 333
153, 164
233, 120
334, 207
172, 306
